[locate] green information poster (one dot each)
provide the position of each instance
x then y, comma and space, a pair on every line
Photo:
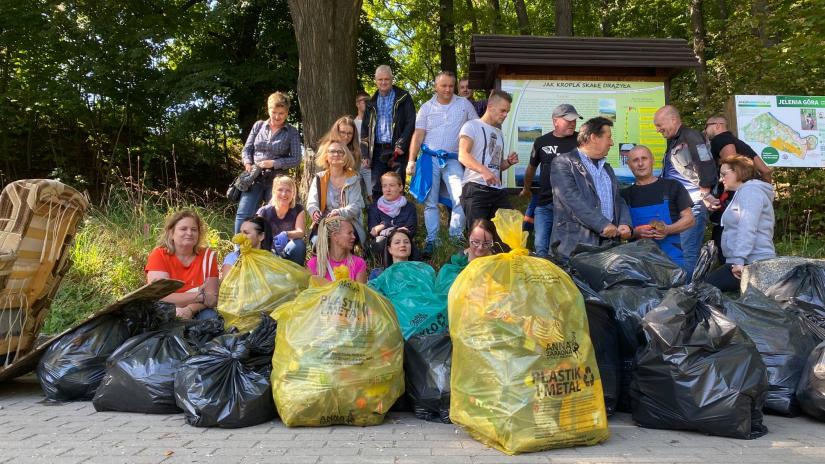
785, 130
629, 104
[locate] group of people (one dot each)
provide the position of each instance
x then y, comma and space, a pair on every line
453, 149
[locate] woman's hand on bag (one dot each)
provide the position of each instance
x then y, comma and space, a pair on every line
736, 270
247, 167
184, 313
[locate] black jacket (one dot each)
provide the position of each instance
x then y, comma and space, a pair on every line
403, 122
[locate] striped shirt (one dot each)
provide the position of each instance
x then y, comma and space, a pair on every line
383, 131
282, 146
602, 181
442, 123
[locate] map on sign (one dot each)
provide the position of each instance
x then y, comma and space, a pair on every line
787, 131
629, 104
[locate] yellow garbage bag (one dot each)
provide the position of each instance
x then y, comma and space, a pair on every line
524, 373
259, 281
338, 355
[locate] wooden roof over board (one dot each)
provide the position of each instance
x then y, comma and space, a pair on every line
609, 56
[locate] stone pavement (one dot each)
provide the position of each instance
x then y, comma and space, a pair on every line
33, 431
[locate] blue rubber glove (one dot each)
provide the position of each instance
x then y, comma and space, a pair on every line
280, 242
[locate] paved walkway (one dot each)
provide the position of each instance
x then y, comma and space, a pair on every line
33, 431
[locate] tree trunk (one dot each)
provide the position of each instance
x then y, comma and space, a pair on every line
496, 24
326, 32
723, 9
564, 18
607, 18
760, 11
697, 22
446, 35
523, 20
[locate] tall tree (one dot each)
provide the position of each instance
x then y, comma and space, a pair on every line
446, 35
523, 20
497, 24
564, 17
326, 32
697, 21
471, 13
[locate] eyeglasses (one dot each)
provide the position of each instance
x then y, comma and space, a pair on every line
484, 244
335, 151
711, 124
725, 173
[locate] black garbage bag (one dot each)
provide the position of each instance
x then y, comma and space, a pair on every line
699, 371
227, 385
427, 363
782, 340
640, 263
708, 256
73, 366
803, 289
604, 333
140, 375
199, 333
811, 389
630, 304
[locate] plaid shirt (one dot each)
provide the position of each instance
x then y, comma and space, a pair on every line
383, 132
282, 146
604, 185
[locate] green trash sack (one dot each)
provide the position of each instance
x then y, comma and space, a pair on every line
448, 273
338, 356
259, 281
410, 287
524, 374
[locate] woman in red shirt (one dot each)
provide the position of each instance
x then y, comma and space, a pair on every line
182, 256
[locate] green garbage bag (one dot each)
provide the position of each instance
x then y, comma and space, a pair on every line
410, 287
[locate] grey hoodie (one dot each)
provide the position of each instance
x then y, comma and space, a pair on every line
748, 224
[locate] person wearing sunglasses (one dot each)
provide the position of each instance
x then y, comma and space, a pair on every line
747, 223
335, 191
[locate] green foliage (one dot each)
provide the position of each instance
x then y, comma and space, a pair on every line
112, 244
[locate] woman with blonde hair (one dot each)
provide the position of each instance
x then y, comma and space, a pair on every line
272, 147
336, 239
286, 219
335, 191
181, 255
345, 131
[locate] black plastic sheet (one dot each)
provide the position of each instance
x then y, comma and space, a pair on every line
140, 375
708, 256
640, 263
782, 340
227, 385
699, 371
811, 389
427, 363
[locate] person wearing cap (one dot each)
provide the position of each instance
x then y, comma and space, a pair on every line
481, 151
660, 208
562, 139
436, 135
587, 206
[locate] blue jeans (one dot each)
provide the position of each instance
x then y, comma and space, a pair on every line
452, 173
251, 200
543, 226
526, 225
206, 313
692, 238
295, 251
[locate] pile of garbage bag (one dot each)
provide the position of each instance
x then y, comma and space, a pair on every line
811, 389
338, 355
72, 368
410, 287
524, 373
804, 289
699, 370
638, 264
258, 281
227, 384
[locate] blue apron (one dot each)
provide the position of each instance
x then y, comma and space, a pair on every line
672, 244
422, 181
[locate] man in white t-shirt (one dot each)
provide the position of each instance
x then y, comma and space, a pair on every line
437, 125
481, 151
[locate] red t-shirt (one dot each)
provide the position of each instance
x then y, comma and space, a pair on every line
204, 265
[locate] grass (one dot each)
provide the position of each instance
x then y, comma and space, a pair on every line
110, 249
